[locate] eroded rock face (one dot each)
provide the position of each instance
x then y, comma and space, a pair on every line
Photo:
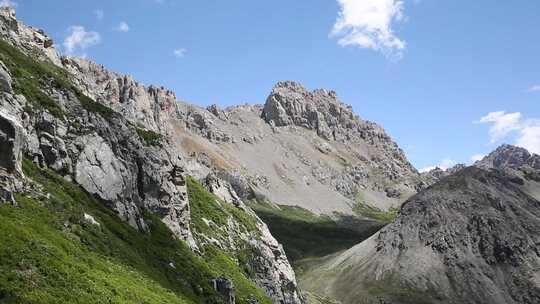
226, 288
12, 138
148, 106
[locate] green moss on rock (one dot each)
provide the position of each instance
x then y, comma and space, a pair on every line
149, 137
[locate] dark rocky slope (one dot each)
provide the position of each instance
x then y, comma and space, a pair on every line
471, 238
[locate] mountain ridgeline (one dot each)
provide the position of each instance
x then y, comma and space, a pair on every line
116, 192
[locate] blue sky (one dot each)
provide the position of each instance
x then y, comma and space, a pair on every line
448, 79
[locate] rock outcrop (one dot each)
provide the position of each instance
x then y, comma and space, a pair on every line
438, 173
12, 138
509, 157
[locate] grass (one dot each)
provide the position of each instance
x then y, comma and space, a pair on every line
32, 78
365, 210
236, 265
95, 107
361, 208
391, 291
50, 254
205, 205
149, 137
306, 235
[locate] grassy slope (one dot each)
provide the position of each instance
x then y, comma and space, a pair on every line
364, 209
306, 235
50, 254
234, 265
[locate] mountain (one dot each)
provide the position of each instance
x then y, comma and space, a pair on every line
470, 238
93, 177
306, 164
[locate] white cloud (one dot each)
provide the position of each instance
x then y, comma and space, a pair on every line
529, 137
504, 124
477, 157
100, 14
180, 53
534, 88
122, 27
368, 24
80, 39
445, 164
8, 3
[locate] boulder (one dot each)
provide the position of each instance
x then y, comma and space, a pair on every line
226, 288
11, 143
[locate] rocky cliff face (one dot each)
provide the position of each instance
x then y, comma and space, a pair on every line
470, 238
116, 138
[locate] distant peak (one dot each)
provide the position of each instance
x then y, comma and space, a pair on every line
509, 156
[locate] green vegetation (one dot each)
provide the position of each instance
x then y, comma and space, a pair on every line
51, 254
149, 137
361, 208
391, 291
209, 216
205, 205
32, 77
306, 235
95, 107
365, 210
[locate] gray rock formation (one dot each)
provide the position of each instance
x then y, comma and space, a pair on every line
471, 238
509, 157
438, 173
226, 288
12, 138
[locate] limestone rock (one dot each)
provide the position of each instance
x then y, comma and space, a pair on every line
226, 288
12, 137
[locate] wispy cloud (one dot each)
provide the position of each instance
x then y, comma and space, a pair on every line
534, 88
8, 3
368, 24
122, 27
79, 39
99, 13
504, 124
443, 165
180, 53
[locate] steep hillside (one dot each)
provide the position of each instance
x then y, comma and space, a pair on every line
470, 238
128, 162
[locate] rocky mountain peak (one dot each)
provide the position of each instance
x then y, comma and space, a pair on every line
290, 103
508, 156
